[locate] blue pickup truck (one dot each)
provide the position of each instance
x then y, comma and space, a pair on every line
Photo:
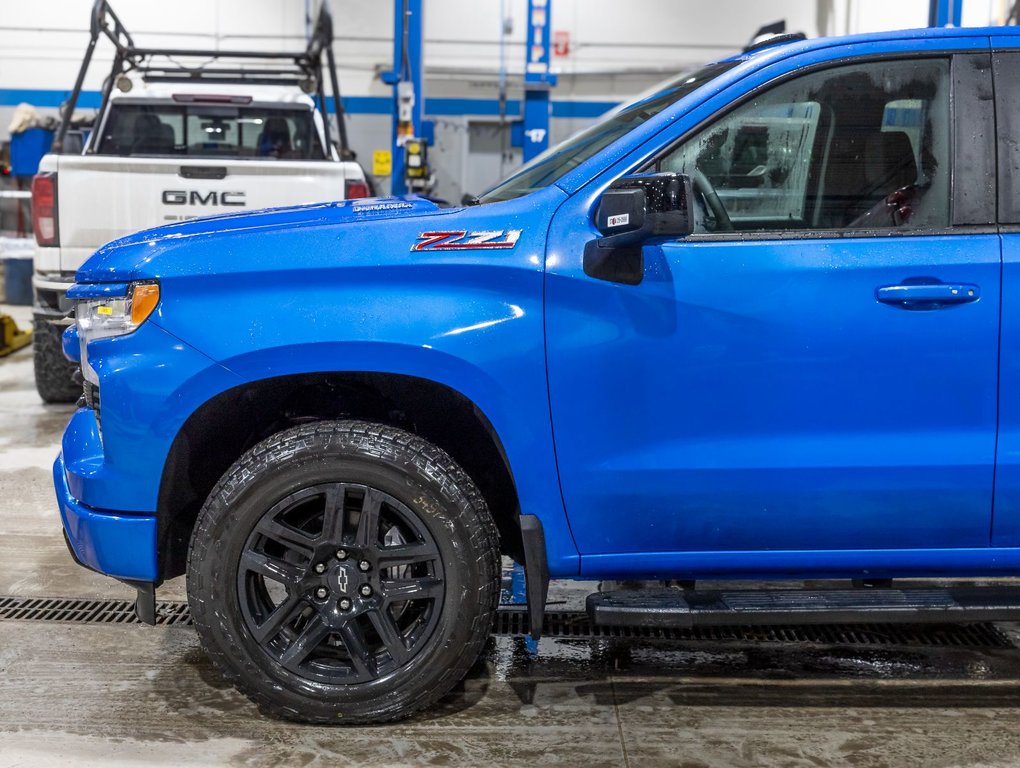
760, 324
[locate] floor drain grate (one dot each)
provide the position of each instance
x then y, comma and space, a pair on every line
513, 622
83, 611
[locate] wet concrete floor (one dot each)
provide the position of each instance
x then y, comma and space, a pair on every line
131, 695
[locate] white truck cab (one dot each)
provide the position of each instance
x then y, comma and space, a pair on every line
171, 143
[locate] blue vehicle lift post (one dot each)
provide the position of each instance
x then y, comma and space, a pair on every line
537, 80
406, 79
945, 12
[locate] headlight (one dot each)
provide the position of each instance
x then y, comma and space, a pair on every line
104, 318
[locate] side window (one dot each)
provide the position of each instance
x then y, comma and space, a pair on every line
861, 146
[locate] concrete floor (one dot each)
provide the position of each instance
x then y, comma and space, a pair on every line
125, 696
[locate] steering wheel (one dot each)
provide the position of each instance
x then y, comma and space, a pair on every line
704, 188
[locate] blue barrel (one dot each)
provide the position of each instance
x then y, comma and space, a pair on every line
18, 281
27, 149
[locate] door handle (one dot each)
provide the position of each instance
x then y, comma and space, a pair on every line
928, 295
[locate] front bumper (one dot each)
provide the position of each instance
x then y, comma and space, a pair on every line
51, 302
151, 383
114, 543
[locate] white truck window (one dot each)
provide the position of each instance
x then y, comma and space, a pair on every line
200, 130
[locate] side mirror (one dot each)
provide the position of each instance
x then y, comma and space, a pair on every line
634, 210
647, 204
621, 209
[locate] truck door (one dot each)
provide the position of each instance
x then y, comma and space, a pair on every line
815, 368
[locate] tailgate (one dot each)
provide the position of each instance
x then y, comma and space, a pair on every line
102, 198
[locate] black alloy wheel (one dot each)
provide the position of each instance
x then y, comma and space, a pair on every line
339, 583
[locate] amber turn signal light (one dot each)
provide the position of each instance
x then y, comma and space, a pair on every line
144, 299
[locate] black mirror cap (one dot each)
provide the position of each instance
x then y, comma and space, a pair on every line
621, 209
666, 210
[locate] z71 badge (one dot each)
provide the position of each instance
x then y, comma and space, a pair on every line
458, 240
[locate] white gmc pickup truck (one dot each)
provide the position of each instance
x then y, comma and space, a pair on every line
173, 142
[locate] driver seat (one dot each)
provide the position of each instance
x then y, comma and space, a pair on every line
865, 172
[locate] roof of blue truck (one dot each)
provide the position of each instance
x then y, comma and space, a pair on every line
925, 33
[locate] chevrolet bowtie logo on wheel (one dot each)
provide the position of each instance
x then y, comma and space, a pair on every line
341, 579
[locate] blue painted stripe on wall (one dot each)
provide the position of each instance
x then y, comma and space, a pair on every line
10, 97
355, 105
364, 105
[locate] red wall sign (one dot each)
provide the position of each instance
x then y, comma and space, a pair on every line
561, 43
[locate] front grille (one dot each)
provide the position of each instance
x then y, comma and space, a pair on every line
91, 394
513, 622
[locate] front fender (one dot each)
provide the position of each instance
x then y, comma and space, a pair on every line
516, 407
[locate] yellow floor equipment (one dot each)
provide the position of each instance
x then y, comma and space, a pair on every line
11, 339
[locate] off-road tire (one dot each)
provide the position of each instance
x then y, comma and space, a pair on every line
54, 373
421, 476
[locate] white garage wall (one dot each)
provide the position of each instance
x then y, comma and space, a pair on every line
851, 16
42, 42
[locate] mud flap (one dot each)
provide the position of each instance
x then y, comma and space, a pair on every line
536, 572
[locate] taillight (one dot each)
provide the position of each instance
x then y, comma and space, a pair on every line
44, 209
356, 188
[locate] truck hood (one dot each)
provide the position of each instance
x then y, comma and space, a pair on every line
148, 254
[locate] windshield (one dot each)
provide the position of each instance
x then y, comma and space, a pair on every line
555, 162
208, 130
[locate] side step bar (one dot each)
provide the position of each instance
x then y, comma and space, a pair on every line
716, 608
